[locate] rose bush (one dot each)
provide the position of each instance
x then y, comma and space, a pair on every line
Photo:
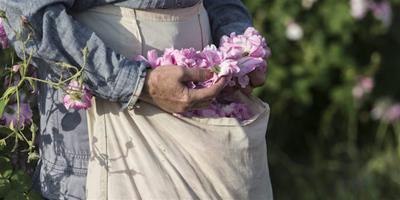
332, 86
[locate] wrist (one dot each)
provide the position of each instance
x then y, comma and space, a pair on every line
141, 88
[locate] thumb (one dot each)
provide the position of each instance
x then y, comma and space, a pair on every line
196, 74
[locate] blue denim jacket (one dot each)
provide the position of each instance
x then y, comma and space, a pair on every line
63, 142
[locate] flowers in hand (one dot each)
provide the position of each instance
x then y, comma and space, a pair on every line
250, 44
77, 96
237, 56
217, 109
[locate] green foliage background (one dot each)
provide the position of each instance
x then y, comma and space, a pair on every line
17, 162
322, 143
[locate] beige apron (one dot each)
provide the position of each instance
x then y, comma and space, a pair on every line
152, 155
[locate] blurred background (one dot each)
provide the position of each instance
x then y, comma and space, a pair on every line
334, 88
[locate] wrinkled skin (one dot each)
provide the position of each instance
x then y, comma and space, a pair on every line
165, 87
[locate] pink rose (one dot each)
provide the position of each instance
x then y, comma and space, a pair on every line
237, 56
3, 36
248, 64
77, 96
363, 87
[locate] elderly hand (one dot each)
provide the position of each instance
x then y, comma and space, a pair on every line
165, 87
257, 79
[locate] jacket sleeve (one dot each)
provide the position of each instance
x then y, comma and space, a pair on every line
227, 16
57, 37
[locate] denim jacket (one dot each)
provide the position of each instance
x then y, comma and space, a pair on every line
57, 37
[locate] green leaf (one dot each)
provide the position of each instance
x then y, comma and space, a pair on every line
3, 104
6, 98
32, 195
3, 144
9, 92
5, 167
32, 156
15, 195
4, 161
216, 69
5, 186
5, 130
7, 173
20, 181
3, 14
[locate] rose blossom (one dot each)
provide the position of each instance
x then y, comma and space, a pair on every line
359, 8
249, 64
3, 36
15, 68
77, 96
386, 110
209, 57
251, 43
364, 86
393, 113
294, 31
10, 115
152, 58
382, 11
216, 109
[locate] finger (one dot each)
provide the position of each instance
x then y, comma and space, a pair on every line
247, 90
257, 77
205, 94
196, 74
229, 90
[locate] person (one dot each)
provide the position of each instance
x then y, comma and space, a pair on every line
59, 37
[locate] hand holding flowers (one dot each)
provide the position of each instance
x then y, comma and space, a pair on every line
165, 87
240, 62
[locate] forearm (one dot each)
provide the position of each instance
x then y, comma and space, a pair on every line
226, 17
57, 37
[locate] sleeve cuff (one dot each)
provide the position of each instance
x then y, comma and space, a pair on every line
137, 91
133, 76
